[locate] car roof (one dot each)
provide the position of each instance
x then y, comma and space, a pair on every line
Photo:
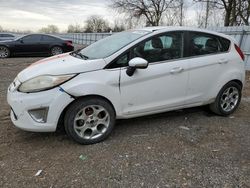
161, 29
8, 34
42, 35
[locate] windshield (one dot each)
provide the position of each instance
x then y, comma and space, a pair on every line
19, 37
109, 45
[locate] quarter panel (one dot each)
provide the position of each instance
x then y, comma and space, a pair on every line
208, 76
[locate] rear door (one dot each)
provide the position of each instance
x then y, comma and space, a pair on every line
47, 42
209, 57
30, 44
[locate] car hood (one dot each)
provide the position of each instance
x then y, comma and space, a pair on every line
60, 65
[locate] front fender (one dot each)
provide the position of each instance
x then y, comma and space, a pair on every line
5, 45
104, 83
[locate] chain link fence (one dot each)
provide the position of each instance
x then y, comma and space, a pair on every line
84, 38
240, 33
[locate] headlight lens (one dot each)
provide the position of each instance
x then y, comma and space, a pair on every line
45, 82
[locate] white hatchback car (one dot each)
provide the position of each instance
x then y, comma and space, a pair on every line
129, 74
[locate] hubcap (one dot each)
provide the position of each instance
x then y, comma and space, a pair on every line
91, 122
56, 51
4, 52
229, 99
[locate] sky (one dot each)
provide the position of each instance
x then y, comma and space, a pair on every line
34, 14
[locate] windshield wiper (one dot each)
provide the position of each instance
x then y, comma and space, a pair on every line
83, 56
77, 52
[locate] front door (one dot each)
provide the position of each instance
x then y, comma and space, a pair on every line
28, 45
163, 84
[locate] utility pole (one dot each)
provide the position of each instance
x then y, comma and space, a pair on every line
207, 14
181, 6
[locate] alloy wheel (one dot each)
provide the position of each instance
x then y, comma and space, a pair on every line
91, 122
4, 52
229, 99
56, 51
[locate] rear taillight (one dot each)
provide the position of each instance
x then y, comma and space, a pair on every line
69, 43
239, 52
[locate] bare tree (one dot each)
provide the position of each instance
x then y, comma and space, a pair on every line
244, 10
118, 25
204, 12
1, 29
152, 10
237, 12
50, 29
96, 24
74, 28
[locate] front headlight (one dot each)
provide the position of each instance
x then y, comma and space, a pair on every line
45, 82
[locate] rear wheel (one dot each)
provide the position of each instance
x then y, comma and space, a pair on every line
56, 50
89, 120
4, 52
227, 100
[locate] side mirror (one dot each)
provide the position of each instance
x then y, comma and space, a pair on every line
136, 63
21, 40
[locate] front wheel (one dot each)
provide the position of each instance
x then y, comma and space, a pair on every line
227, 100
89, 120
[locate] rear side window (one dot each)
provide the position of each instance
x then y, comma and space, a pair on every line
225, 44
48, 38
203, 44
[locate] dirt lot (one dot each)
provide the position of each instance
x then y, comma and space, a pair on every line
152, 151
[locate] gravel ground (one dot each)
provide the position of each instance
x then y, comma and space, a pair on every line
185, 148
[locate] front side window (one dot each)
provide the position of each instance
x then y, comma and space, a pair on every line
32, 38
121, 61
203, 44
161, 48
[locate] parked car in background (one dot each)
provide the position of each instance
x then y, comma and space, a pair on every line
35, 44
129, 74
6, 36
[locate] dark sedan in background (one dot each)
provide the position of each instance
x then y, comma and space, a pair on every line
35, 44
6, 36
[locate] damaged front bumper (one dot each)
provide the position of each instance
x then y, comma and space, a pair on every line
37, 112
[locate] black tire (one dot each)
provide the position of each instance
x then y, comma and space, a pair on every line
217, 108
56, 50
75, 109
4, 52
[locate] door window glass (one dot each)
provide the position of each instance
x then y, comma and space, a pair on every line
48, 38
225, 44
31, 38
202, 44
122, 61
161, 48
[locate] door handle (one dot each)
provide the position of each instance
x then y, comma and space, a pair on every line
176, 70
223, 61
